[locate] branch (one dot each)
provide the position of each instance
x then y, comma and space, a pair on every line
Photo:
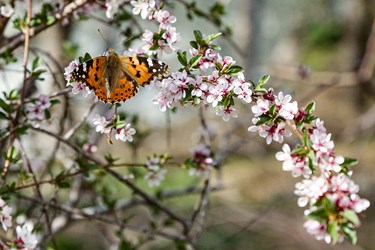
17, 40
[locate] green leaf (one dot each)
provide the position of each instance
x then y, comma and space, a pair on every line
198, 36
6, 107
305, 139
126, 245
234, 70
194, 44
212, 37
318, 215
350, 233
273, 110
215, 47
181, 56
36, 63
263, 120
310, 108
13, 95
195, 60
63, 184
55, 101
3, 116
263, 80
351, 216
333, 231
348, 162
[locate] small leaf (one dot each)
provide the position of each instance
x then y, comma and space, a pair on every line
305, 139
273, 110
55, 101
348, 162
198, 36
13, 95
263, 80
318, 215
310, 108
63, 184
3, 116
36, 63
234, 70
195, 60
215, 47
181, 56
333, 231
351, 216
350, 233
263, 120
194, 44
212, 37
6, 107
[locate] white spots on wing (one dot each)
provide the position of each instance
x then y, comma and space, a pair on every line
160, 62
150, 62
84, 66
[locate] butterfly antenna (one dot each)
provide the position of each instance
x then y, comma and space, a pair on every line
100, 33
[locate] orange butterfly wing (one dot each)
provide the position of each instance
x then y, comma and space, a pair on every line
125, 89
91, 73
143, 69
135, 71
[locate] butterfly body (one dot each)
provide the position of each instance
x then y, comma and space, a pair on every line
115, 78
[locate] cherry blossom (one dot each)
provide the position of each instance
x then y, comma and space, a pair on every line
101, 124
5, 215
142, 7
164, 18
227, 112
112, 8
125, 134
319, 230
154, 178
26, 240
6, 10
261, 107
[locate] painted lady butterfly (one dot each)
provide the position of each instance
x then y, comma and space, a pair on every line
116, 78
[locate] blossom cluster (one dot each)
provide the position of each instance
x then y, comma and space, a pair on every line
156, 171
216, 85
77, 87
326, 186
25, 239
201, 161
6, 10
166, 39
124, 131
36, 111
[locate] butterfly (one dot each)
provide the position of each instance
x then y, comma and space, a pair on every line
115, 78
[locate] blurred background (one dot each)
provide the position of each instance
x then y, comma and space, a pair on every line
320, 50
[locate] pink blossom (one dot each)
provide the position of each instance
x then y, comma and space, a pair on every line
142, 7
310, 190
154, 178
125, 134
26, 240
261, 107
34, 112
226, 112
242, 88
199, 86
112, 8
289, 110
43, 102
164, 18
5, 215
101, 124
6, 10
319, 230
